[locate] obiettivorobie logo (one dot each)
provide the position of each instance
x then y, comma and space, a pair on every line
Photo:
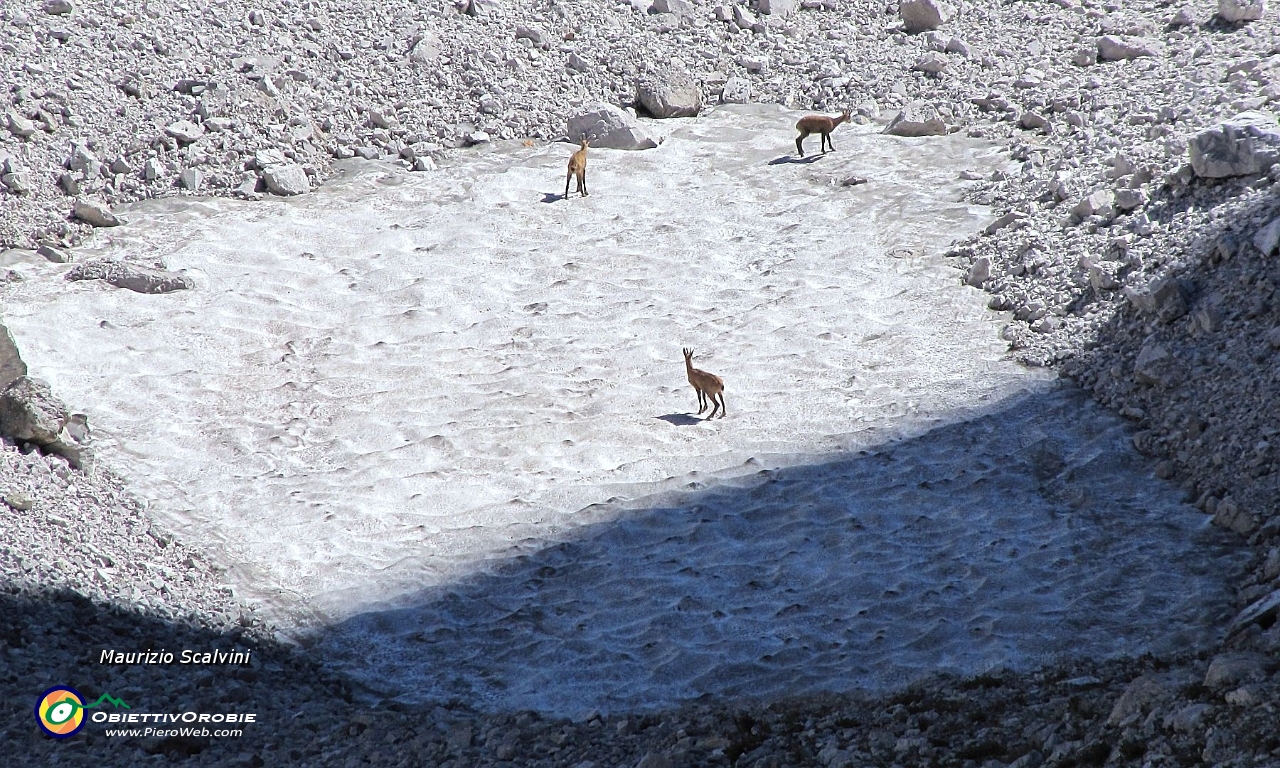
60, 710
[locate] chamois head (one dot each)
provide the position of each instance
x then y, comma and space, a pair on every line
584, 142
844, 116
688, 354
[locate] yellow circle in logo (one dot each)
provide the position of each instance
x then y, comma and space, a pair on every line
60, 711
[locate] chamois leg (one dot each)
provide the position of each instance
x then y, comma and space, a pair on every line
583, 182
800, 142
723, 410
702, 400
829, 144
567, 179
713, 410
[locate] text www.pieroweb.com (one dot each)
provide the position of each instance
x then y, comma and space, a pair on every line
187, 724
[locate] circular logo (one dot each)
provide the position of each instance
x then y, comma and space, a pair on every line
60, 711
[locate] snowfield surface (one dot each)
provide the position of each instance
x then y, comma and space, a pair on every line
438, 424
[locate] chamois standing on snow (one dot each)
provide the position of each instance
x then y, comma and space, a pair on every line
707, 385
578, 168
821, 124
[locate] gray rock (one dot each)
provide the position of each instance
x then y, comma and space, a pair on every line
979, 273
1033, 121
1229, 515
1115, 48
153, 169
669, 94
1101, 280
1130, 199
537, 35
1166, 299
1229, 670
1009, 219
69, 184
608, 127
931, 62
1235, 11
1154, 365
1138, 698
18, 182
779, 8
11, 365
191, 178
1185, 17
917, 119
483, 7
1267, 239
1169, 298
84, 162
95, 213
426, 49
655, 760
1189, 718
185, 131
30, 413
1085, 57
678, 7
265, 158
287, 179
121, 165
1263, 611
131, 276
58, 7
1273, 338
1098, 203
19, 125
1245, 145
736, 90
924, 15
956, 45
55, 255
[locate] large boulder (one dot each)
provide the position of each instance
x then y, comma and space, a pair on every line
286, 179
924, 15
95, 213
917, 119
11, 365
1246, 145
1267, 239
30, 413
131, 276
1235, 11
608, 127
671, 94
1114, 48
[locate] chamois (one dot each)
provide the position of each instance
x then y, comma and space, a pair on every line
707, 385
578, 168
822, 124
